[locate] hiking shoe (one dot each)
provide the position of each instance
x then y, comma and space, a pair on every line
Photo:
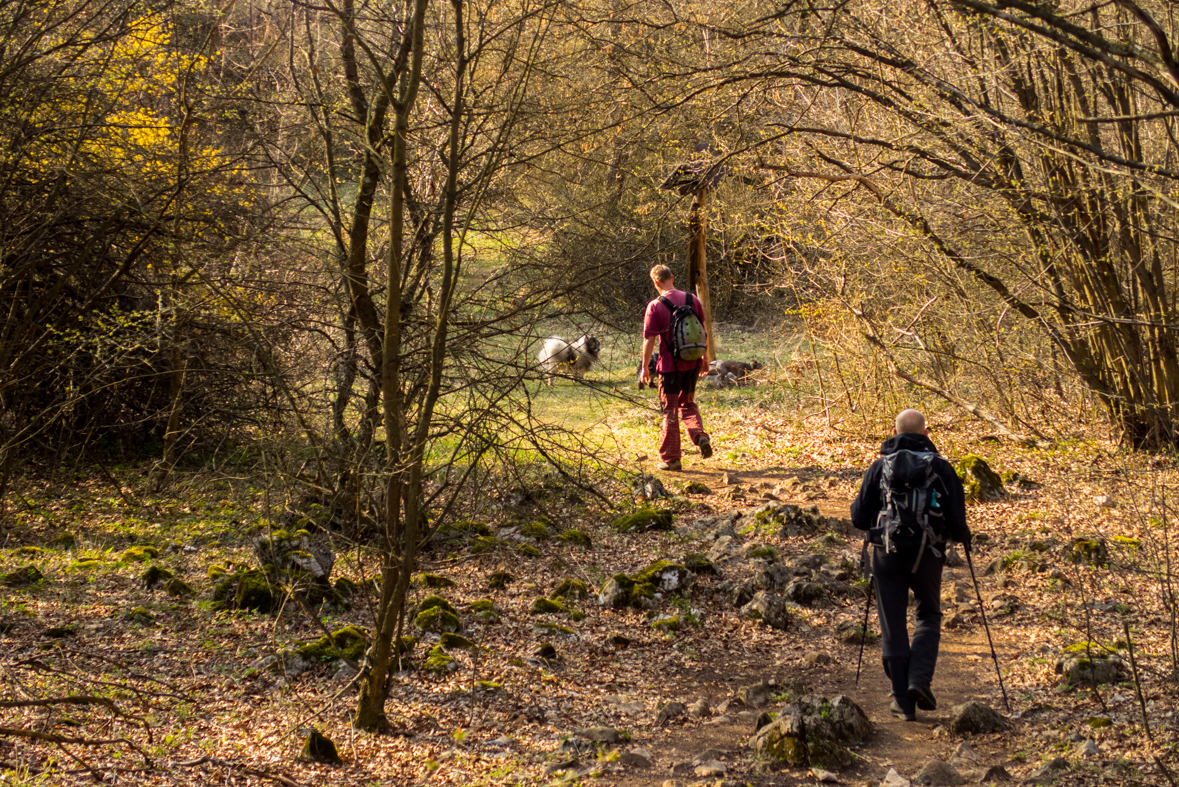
705, 446
896, 710
923, 697
674, 464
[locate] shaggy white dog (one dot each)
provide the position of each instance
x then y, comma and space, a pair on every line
557, 355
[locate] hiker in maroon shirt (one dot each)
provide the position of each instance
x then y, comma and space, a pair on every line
677, 379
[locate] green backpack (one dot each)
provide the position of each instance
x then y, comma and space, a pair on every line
688, 340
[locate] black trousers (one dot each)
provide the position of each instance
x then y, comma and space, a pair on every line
908, 662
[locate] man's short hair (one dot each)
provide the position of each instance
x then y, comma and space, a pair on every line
661, 273
910, 422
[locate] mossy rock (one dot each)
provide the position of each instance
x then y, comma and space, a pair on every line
216, 571
404, 645
482, 544
577, 538
317, 747
61, 632
500, 580
84, 564
246, 590
29, 575
1127, 542
1093, 551
552, 629
665, 575
570, 588
439, 662
179, 588
139, 554
432, 601
141, 616
527, 550
154, 575
699, 564
457, 530
349, 642
1018, 480
347, 589
535, 530
982, 484
644, 520
30, 551
438, 619
456, 642
485, 611
762, 552
544, 606
487, 686
435, 581
668, 624
64, 541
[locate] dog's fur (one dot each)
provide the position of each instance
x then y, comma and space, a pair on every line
738, 369
558, 355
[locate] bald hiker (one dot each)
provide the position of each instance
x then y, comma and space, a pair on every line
910, 504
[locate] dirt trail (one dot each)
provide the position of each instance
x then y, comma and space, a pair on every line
965, 673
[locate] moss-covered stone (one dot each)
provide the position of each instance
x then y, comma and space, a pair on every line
696, 488
154, 575
570, 588
544, 606
982, 484
216, 571
439, 662
28, 575
139, 553
346, 588
438, 619
487, 686
500, 580
537, 530
436, 601
762, 552
485, 611
29, 551
317, 747
84, 564
458, 530
179, 588
699, 564
435, 581
577, 538
552, 629
1093, 551
246, 590
482, 544
667, 624
644, 520
349, 642
456, 642
141, 616
527, 550
665, 575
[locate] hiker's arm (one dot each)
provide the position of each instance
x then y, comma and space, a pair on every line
866, 507
648, 350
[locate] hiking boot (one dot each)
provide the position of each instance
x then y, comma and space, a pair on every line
673, 465
923, 697
705, 446
896, 710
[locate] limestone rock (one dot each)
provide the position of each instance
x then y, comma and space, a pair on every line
723, 549
613, 595
1077, 669
974, 718
982, 484
756, 696
804, 593
1088, 750
813, 731
648, 487
996, 773
670, 711
599, 734
936, 772
700, 709
638, 758
894, 779
769, 609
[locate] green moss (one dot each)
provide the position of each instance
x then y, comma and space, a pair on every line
763, 552
536, 530
698, 564
349, 642
1089, 550
1100, 722
438, 619
405, 645
84, 564
439, 662
141, 616
570, 588
346, 588
216, 571
432, 601
668, 625
488, 686
138, 554
553, 629
979, 480
485, 611
456, 642
644, 520
1127, 541
154, 575
577, 538
435, 581
544, 606
500, 580
482, 544
527, 550
29, 575
464, 529
664, 574
30, 551
179, 588
247, 590
696, 488
319, 748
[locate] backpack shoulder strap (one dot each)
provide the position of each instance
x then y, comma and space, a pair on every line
664, 300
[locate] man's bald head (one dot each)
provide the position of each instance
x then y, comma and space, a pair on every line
910, 422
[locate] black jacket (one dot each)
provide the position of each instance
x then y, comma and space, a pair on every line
866, 507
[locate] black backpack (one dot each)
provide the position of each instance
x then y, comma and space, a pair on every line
688, 341
911, 510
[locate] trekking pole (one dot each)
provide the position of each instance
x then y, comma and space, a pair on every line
994, 658
867, 608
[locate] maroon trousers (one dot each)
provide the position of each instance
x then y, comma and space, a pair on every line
677, 398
